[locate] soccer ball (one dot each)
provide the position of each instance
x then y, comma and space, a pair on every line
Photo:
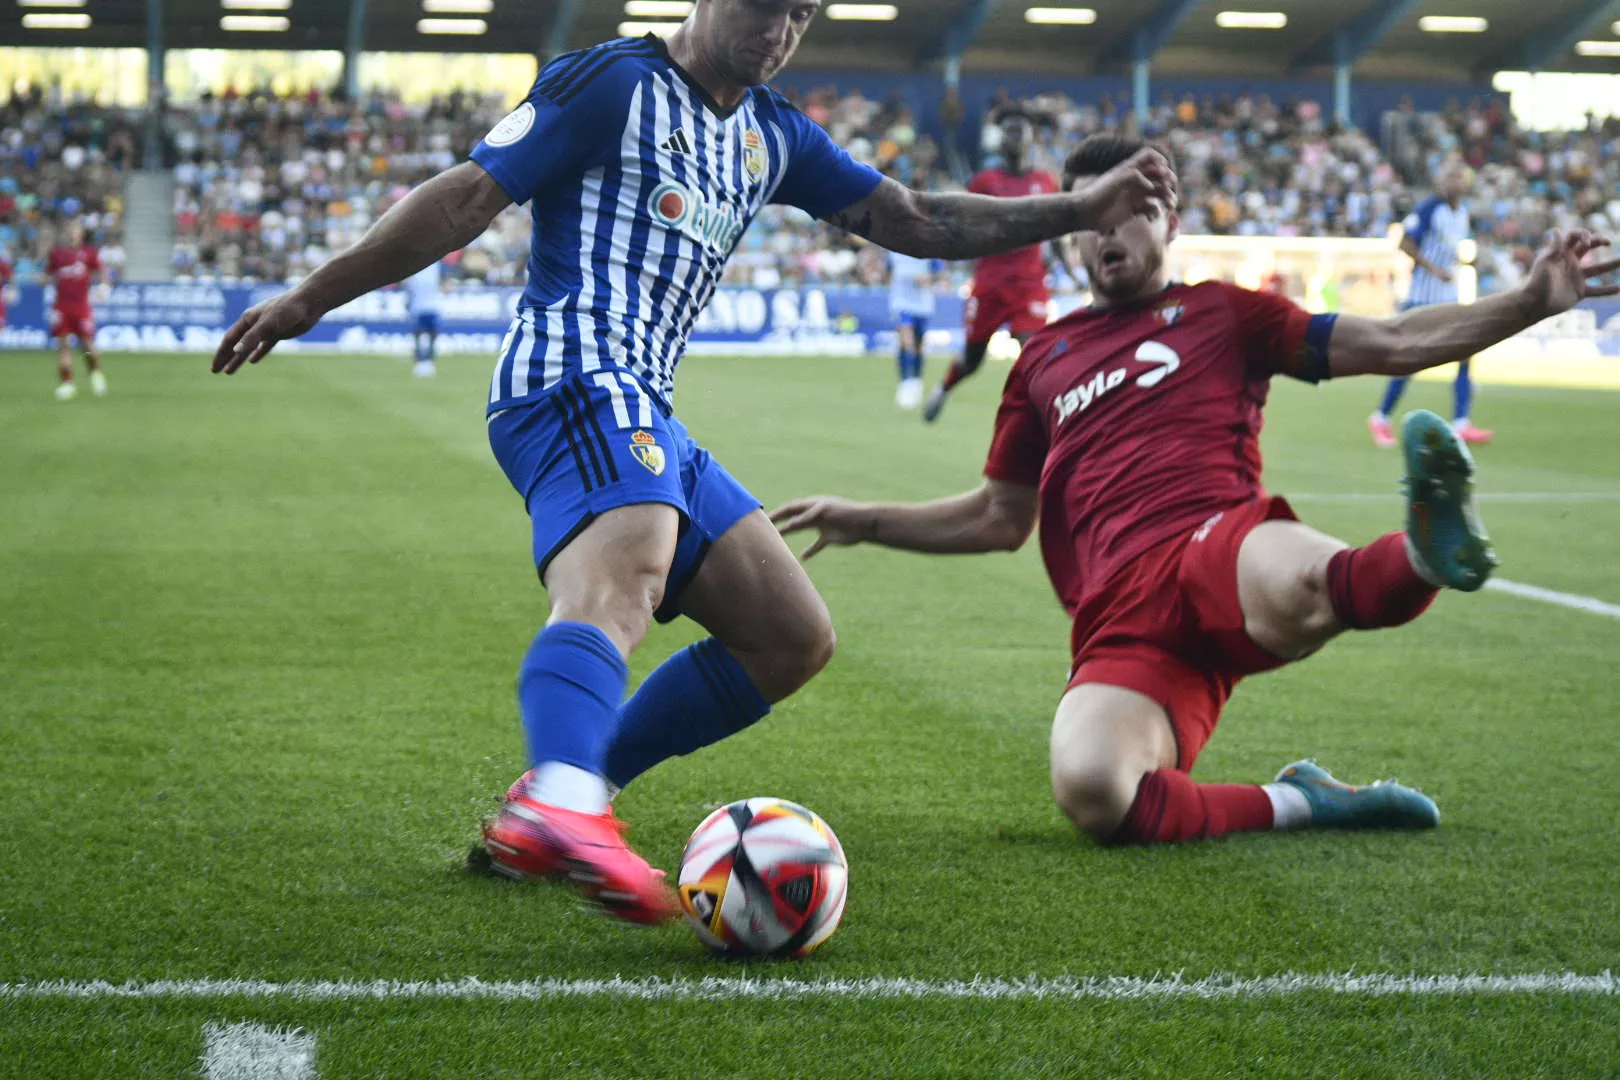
763, 877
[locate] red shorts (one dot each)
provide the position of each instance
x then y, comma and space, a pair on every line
75, 324
1170, 626
1019, 306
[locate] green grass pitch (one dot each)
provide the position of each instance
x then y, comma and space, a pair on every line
257, 646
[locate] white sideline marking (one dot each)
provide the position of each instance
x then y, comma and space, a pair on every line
1066, 988
1552, 596
1479, 496
255, 1052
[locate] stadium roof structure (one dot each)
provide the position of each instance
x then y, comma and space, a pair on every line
1379, 38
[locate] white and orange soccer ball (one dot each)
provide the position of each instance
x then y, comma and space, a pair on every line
763, 877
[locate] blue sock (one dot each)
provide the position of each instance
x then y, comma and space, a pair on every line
907, 359
1392, 395
570, 687
695, 698
1462, 393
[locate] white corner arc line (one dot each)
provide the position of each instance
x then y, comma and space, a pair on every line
1064, 988
255, 1052
1551, 596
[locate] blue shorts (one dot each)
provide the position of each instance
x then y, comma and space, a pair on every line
918, 324
597, 442
427, 323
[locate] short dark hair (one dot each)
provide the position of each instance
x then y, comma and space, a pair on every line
1013, 112
1096, 154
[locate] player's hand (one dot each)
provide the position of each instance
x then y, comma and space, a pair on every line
1126, 190
1443, 275
840, 521
260, 328
1558, 279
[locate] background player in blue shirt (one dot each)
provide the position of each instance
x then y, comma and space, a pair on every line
642, 164
912, 288
426, 288
1433, 231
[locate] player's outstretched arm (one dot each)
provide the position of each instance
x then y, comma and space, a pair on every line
997, 516
448, 212
1429, 336
959, 225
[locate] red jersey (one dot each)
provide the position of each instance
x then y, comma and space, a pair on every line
1025, 264
1140, 423
70, 268
5, 279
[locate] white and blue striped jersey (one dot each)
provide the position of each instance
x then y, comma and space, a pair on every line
640, 187
910, 288
1437, 228
425, 288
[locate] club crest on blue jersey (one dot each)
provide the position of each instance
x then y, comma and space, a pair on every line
648, 452
754, 159
689, 213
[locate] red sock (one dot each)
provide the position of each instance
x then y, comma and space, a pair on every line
1375, 586
954, 375
1171, 807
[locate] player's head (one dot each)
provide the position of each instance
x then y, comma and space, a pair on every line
1015, 134
1456, 178
746, 42
1127, 261
73, 233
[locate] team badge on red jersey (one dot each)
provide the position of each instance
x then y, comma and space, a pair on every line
1167, 314
648, 452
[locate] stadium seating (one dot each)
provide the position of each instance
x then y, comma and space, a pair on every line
266, 187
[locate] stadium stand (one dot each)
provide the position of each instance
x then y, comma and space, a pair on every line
264, 187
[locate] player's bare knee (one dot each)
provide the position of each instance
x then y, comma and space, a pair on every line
1297, 616
1096, 797
622, 607
802, 648
1314, 617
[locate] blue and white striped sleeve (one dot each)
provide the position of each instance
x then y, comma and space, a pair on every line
564, 127
821, 177
1421, 220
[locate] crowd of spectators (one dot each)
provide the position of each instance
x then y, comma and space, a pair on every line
1253, 166
59, 160
267, 187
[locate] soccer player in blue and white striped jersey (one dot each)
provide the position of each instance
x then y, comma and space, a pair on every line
425, 289
1433, 232
642, 164
911, 305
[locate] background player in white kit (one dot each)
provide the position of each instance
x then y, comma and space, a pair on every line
643, 162
913, 283
426, 289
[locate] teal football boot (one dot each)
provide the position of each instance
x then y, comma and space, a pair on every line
1381, 805
1441, 523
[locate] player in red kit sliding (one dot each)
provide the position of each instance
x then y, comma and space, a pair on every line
1008, 290
74, 267
1130, 429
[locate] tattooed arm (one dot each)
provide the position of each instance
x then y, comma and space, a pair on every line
963, 226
